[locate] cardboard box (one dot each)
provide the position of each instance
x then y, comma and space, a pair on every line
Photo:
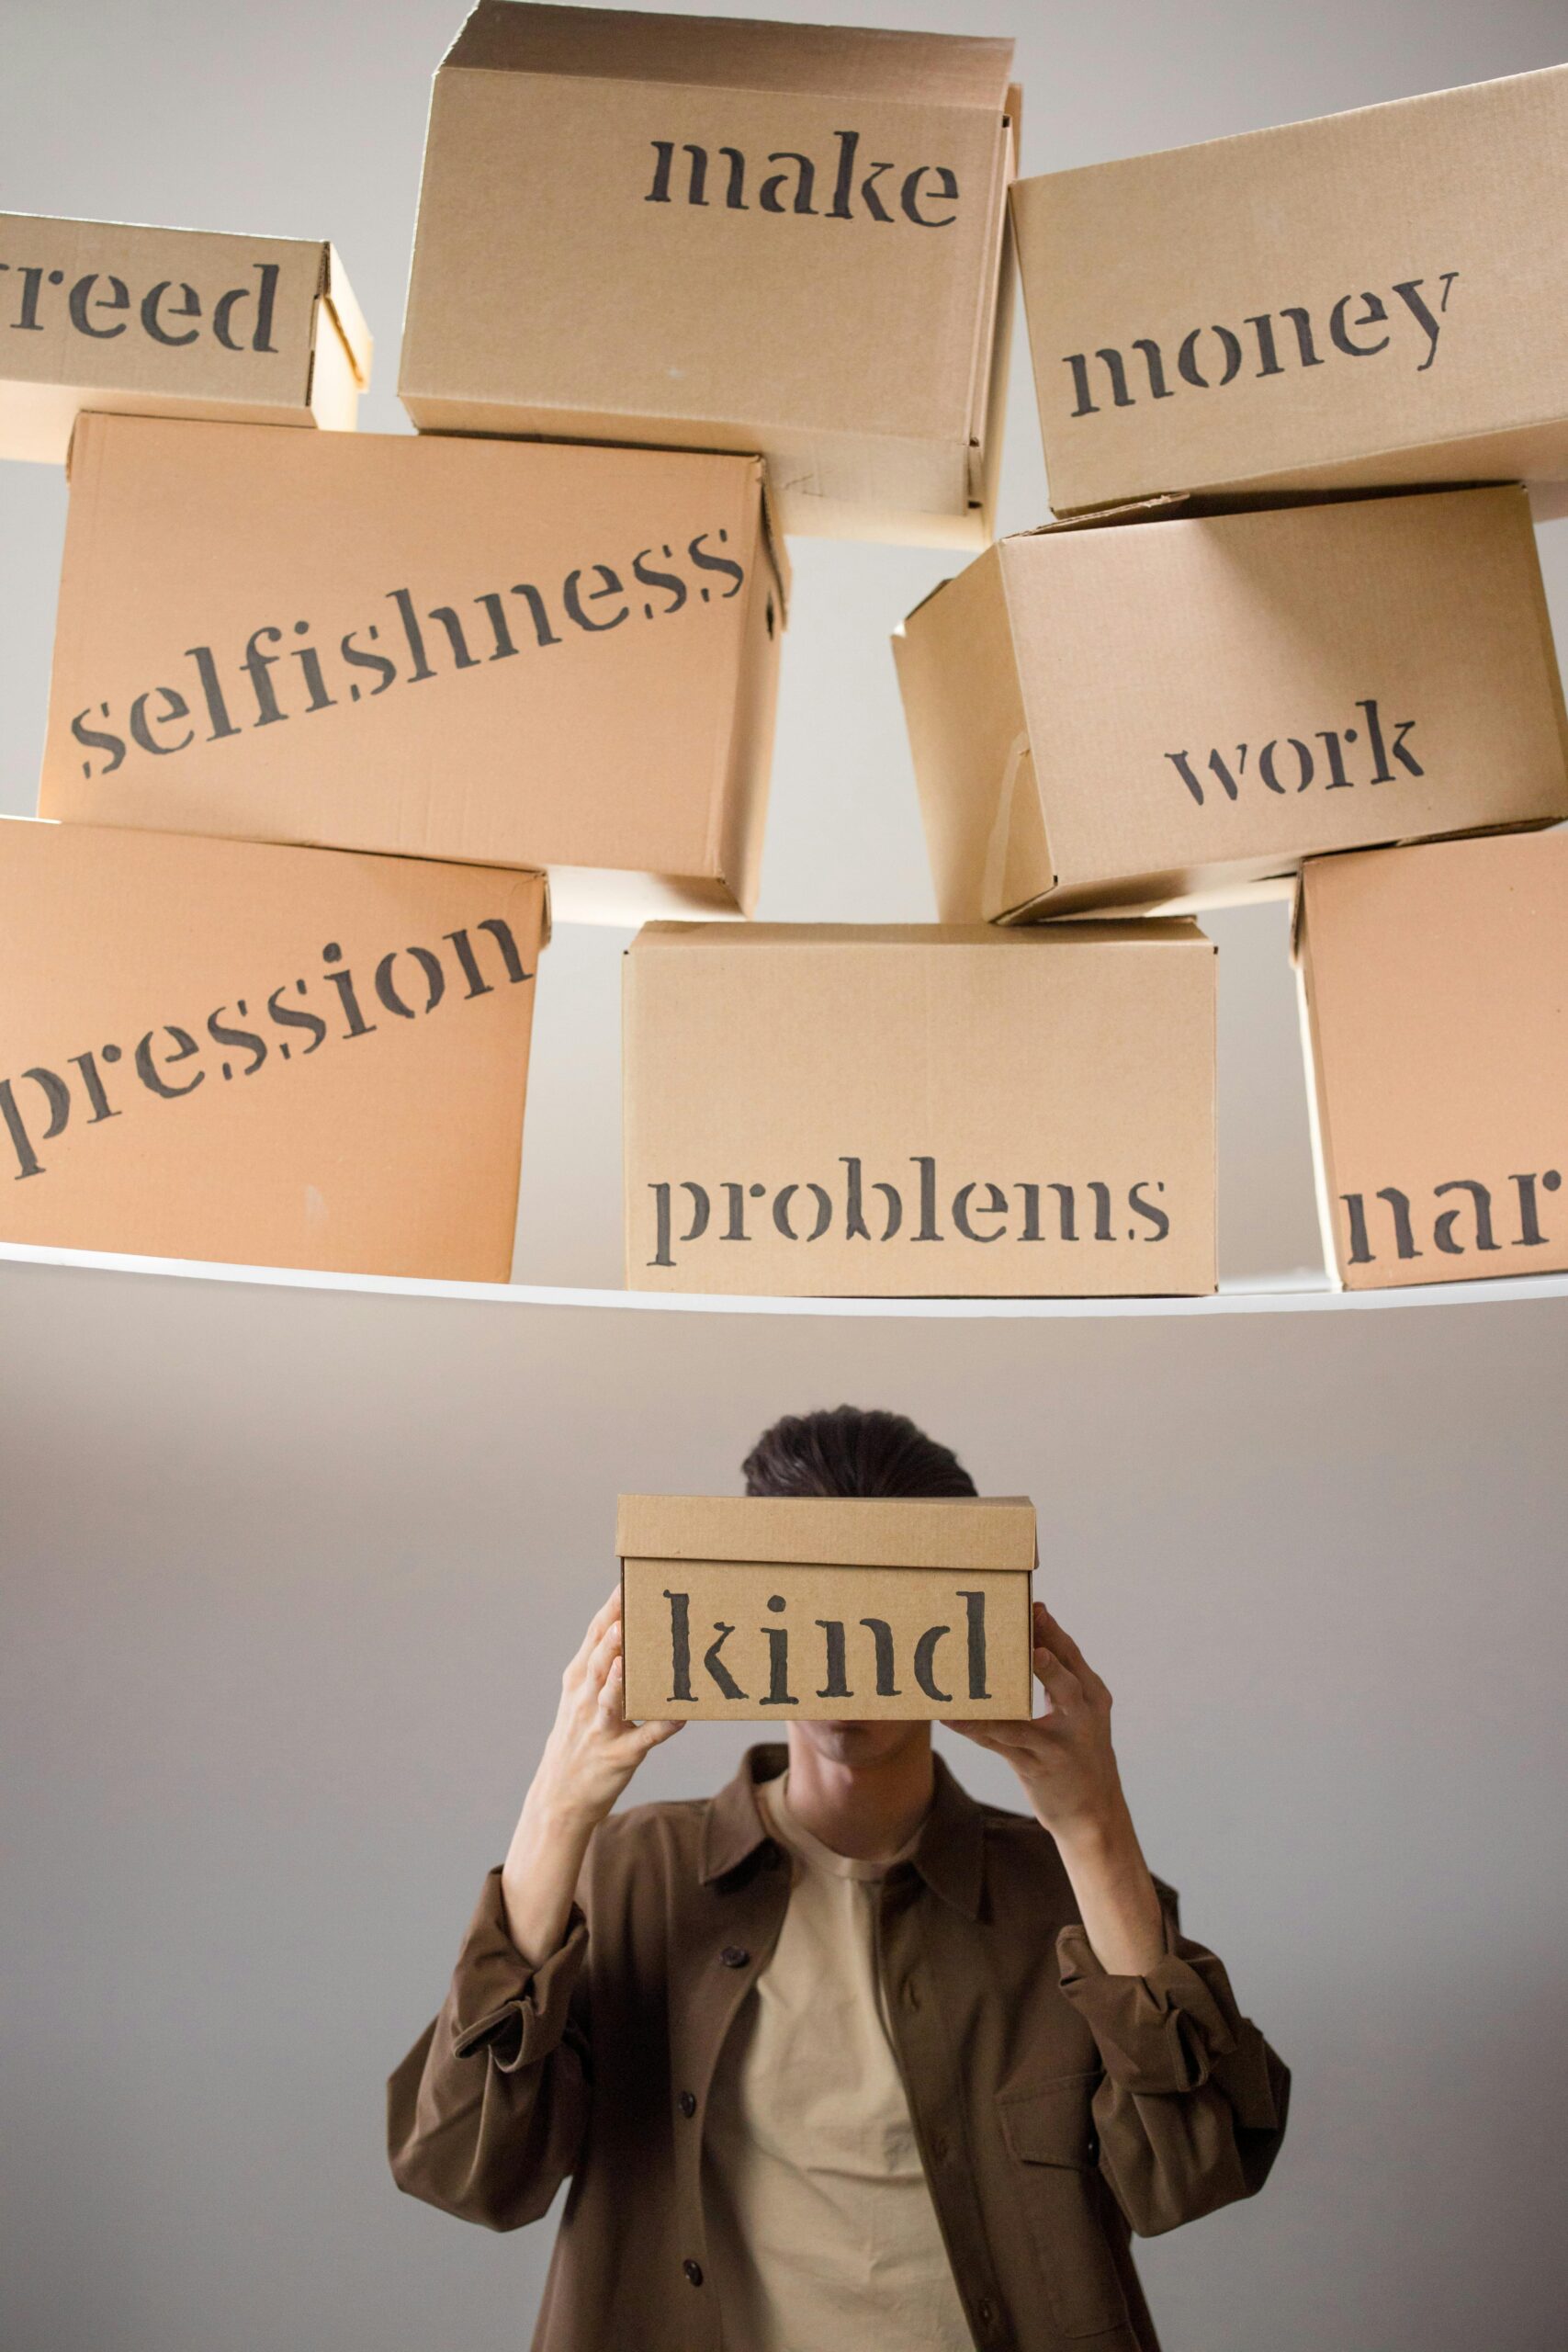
170, 322
560, 658
814, 1110
1373, 297
279, 1056
1434, 986
826, 1608
694, 232
1171, 711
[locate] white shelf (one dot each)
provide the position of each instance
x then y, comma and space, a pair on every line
1300, 1293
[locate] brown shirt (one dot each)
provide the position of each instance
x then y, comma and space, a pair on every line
1056, 2108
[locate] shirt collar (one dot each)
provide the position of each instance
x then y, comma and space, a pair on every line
948, 1854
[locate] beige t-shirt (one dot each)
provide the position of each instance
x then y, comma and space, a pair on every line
822, 2233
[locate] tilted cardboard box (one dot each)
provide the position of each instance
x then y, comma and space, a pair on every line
279, 1057
1172, 712
890, 1112
825, 1609
689, 231
1434, 988
1372, 298
170, 322
560, 658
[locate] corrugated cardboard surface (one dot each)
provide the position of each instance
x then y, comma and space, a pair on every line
123, 318
1435, 988
618, 717
1460, 196
854, 351
278, 1056
778, 1076
1072, 693
733, 1571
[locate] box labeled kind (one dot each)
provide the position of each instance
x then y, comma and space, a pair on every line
1373, 298
910, 1112
825, 1608
1435, 994
1172, 708
278, 1056
724, 234
170, 322
560, 658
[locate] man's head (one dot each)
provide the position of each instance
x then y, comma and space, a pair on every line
848, 1452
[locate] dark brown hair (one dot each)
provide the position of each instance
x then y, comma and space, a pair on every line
848, 1452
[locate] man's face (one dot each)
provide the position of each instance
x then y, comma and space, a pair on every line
861, 1745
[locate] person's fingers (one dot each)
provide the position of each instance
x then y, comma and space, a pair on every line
606, 1613
1052, 1635
990, 1731
1060, 1685
612, 1697
606, 1651
654, 1734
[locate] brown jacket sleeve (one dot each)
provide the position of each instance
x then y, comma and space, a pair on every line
486, 2114
1191, 2111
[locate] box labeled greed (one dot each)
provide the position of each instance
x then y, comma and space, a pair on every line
1370, 298
170, 322
279, 1056
693, 232
1175, 709
557, 658
748, 1608
1435, 996
887, 1112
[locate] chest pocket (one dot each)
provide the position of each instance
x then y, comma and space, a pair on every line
1049, 2132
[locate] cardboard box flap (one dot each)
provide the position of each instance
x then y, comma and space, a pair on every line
993, 1531
1170, 929
719, 53
339, 297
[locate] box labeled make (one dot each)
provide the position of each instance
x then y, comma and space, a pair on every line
1370, 298
170, 322
723, 234
1176, 707
881, 1110
751, 1609
496, 650
279, 1057
1434, 986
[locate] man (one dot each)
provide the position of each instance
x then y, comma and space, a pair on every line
838, 2060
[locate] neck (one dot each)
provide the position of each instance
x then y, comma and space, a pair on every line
866, 1811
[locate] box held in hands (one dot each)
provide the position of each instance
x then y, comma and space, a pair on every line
758, 1608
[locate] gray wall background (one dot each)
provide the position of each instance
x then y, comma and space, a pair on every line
290, 1576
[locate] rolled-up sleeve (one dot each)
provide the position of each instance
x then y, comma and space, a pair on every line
1192, 2110
486, 2114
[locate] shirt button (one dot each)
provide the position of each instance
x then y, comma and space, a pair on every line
912, 1994
983, 2312
694, 2271
732, 1956
687, 2103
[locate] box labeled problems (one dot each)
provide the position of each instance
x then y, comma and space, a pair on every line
724, 234
747, 1608
170, 322
1175, 709
912, 1112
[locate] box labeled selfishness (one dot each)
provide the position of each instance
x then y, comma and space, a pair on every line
825, 1608
712, 233
557, 658
1370, 298
280, 1057
1172, 710
170, 322
1434, 985
911, 1112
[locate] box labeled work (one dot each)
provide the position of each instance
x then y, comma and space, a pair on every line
699, 233
558, 657
1373, 298
1434, 986
1174, 708
888, 1112
279, 1056
170, 322
825, 1608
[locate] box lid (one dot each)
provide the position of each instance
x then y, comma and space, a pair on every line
809, 1531
722, 52
1168, 931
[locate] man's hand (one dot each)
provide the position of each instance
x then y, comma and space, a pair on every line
589, 1757
1067, 1765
